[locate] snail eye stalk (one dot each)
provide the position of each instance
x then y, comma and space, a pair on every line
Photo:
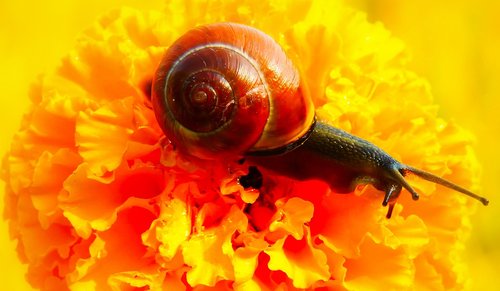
443, 182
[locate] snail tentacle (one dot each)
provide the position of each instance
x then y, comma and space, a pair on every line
391, 194
443, 182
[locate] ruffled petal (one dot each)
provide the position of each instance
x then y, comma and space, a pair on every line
102, 136
209, 253
336, 216
170, 230
393, 269
108, 255
93, 204
301, 262
46, 188
291, 217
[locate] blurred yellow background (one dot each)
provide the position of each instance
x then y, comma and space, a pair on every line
455, 45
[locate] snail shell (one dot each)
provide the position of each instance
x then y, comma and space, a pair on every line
226, 89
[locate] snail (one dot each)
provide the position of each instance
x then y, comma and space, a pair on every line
229, 90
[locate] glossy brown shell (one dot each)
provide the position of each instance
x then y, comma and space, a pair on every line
229, 89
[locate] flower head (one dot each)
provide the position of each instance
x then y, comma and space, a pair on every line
99, 199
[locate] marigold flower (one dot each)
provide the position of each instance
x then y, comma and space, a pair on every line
99, 199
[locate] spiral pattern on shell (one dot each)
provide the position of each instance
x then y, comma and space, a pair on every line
228, 89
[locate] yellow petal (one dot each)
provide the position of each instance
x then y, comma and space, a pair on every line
301, 262
170, 229
245, 261
209, 253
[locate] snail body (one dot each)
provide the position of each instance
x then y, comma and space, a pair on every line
229, 90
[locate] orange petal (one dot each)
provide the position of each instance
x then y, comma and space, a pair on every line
410, 232
144, 279
291, 216
394, 268
108, 256
102, 68
231, 185
102, 135
39, 135
49, 175
37, 240
92, 204
300, 260
343, 221
335, 265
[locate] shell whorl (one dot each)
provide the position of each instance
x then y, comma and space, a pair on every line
228, 89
